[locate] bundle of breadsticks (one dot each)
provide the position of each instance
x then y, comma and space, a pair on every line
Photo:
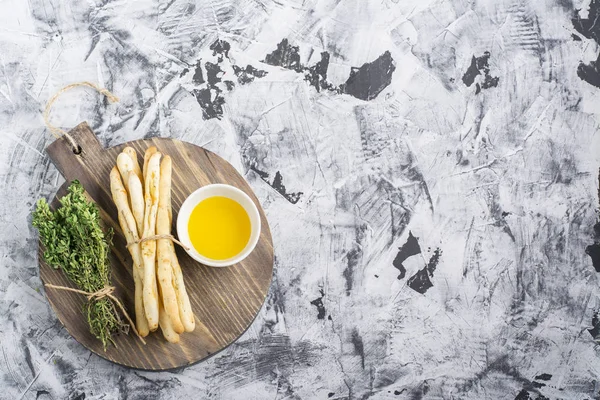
143, 200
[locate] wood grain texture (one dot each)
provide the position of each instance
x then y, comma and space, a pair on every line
225, 301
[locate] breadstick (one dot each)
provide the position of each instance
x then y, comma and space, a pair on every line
165, 324
186, 314
147, 155
130, 151
134, 186
127, 222
125, 165
136, 199
163, 227
141, 322
185, 308
151, 193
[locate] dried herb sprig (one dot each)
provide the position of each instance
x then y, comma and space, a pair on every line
75, 243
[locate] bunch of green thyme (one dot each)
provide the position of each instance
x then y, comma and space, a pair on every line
75, 243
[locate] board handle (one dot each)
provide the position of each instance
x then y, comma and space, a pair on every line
72, 162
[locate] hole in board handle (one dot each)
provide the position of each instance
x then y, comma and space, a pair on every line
77, 150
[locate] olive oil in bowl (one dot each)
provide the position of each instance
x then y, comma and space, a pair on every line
220, 224
219, 228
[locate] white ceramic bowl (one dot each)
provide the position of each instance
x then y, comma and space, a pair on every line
211, 191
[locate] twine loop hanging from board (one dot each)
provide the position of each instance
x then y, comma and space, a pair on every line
58, 132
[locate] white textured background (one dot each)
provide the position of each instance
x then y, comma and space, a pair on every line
502, 182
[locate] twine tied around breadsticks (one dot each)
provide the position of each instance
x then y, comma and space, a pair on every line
58, 132
158, 237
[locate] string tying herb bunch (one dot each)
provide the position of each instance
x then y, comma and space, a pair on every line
74, 242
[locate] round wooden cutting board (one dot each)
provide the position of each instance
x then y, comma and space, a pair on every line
224, 300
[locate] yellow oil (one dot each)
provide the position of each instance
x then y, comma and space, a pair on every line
219, 228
